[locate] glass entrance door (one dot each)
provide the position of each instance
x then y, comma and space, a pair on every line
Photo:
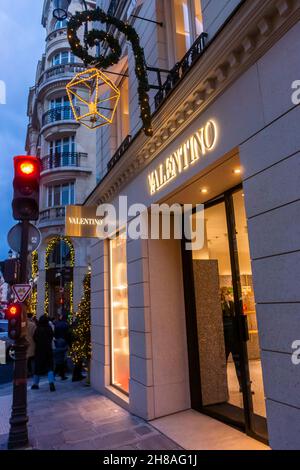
256, 412
221, 314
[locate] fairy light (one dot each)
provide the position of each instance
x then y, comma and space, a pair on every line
81, 345
50, 247
93, 78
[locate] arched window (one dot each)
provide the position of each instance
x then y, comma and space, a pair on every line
61, 254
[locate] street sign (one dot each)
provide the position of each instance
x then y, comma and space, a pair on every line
21, 291
15, 235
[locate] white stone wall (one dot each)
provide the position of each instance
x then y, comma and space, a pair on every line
271, 160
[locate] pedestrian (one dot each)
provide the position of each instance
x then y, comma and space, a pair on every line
62, 329
60, 357
43, 337
31, 327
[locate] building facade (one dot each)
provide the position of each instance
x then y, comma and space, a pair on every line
213, 328
67, 153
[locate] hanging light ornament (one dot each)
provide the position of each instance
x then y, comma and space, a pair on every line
97, 98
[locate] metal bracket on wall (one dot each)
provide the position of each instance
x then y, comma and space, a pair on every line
159, 23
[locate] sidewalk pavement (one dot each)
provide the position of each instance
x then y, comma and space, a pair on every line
75, 417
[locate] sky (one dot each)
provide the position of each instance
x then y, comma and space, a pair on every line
22, 42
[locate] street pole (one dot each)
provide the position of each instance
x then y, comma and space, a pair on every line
18, 434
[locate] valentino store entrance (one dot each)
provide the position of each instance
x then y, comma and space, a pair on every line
223, 345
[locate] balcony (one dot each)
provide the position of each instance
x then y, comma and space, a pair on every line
57, 34
52, 216
180, 70
60, 114
64, 160
59, 72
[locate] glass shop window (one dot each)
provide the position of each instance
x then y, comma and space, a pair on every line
119, 314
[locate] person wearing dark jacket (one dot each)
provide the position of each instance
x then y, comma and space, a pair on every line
60, 357
43, 337
62, 329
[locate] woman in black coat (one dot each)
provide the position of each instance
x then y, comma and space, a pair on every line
43, 337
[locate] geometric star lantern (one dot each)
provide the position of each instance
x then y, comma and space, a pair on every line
96, 98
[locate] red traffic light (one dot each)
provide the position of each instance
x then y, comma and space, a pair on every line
27, 166
14, 315
13, 311
26, 183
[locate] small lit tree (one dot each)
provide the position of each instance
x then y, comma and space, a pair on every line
81, 331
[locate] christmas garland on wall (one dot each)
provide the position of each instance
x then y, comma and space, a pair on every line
103, 62
32, 301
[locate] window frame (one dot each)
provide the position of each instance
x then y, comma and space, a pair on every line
57, 59
171, 28
51, 194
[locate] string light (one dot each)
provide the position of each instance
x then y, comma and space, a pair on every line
93, 80
50, 247
32, 300
81, 345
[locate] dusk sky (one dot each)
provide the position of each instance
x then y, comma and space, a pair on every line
21, 45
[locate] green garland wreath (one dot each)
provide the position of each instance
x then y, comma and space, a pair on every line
113, 58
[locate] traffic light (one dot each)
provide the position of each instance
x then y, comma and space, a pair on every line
26, 188
11, 270
14, 315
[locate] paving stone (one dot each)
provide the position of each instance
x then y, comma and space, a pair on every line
49, 441
86, 445
144, 430
78, 418
77, 435
46, 428
128, 422
158, 442
128, 448
116, 440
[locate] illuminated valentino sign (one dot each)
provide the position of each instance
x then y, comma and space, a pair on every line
82, 222
198, 145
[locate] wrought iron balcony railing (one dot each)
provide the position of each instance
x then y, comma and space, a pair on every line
64, 159
63, 113
60, 70
181, 68
118, 154
52, 213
